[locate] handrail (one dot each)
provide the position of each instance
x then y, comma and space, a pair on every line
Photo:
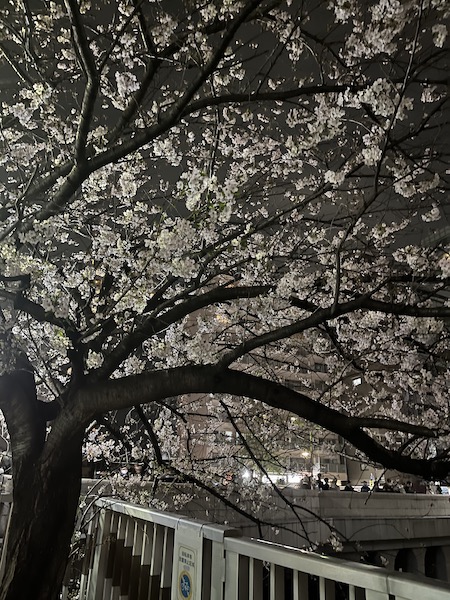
209, 530
135, 552
369, 577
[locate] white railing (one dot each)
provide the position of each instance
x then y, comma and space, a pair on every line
136, 553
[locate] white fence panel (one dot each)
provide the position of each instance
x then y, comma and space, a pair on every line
140, 553
134, 553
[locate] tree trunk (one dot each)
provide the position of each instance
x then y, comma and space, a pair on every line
45, 501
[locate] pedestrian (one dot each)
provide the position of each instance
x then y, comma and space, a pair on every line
306, 482
409, 488
388, 487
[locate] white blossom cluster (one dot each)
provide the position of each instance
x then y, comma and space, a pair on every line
191, 202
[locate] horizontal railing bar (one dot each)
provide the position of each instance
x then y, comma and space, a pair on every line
336, 569
409, 586
215, 533
315, 564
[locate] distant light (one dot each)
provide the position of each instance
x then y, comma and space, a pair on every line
357, 381
246, 474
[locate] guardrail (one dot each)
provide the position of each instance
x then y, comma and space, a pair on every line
136, 553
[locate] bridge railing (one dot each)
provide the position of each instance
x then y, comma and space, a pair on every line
136, 553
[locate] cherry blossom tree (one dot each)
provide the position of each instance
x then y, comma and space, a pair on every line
197, 198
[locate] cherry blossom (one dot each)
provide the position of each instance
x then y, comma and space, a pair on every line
213, 218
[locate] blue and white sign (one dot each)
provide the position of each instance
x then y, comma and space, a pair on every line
185, 585
187, 563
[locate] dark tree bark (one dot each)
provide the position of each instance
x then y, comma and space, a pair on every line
46, 488
42, 521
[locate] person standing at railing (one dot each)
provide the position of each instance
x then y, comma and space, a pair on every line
409, 488
306, 483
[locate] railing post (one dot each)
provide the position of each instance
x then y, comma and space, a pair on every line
217, 570
327, 590
146, 558
156, 561
99, 564
86, 567
187, 562
232, 576
301, 586
277, 582
127, 552
136, 558
111, 545
166, 574
117, 563
255, 568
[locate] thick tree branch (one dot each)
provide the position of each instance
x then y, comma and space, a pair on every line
38, 313
152, 325
81, 44
392, 308
267, 97
154, 386
321, 315
21, 409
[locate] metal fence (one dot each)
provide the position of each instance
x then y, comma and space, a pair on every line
136, 553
